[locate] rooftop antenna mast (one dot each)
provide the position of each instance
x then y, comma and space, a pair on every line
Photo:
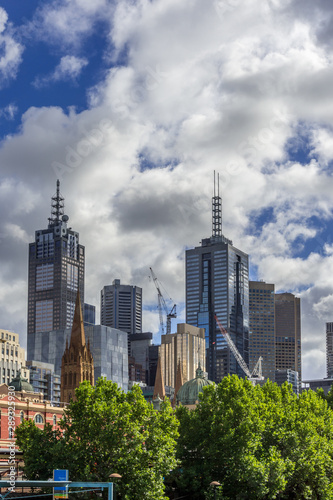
57, 207
216, 209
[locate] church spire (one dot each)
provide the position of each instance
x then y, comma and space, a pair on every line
77, 335
159, 388
179, 381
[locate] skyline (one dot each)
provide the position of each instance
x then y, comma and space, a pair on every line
133, 106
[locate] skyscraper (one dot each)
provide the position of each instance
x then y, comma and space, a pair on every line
217, 283
121, 307
288, 332
56, 273
262, 327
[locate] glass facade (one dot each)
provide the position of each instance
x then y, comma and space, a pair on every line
217, 283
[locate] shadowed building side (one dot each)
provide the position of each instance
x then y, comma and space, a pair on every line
77, 361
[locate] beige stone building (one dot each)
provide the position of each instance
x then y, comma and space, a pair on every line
12, 357
187, 346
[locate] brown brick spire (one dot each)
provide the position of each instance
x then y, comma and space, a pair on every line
77, 361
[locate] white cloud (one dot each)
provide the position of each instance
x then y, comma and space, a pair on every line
66, 22
69, 68
9, 111
10, 50
197, 90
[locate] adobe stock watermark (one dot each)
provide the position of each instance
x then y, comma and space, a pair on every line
11, 431
75, 155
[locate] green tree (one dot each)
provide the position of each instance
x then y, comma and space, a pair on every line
108, 431
258, 442
43, 450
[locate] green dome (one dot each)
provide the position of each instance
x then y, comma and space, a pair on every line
21, 384
188, 394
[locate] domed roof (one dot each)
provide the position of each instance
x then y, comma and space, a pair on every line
21, 384
188, 394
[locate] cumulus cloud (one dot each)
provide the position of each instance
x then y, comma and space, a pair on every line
69, 68
65, 23
238, 87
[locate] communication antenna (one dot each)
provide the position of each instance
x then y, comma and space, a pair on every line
216, 209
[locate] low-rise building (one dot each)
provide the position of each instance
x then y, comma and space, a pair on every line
12, 357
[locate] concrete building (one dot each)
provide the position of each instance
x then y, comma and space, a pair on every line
12, 357
262, 327
56, 273
44, 380
187, 346
288, 333
108, 347
217, 283
325, 384
329, 350
121, 307
290, 376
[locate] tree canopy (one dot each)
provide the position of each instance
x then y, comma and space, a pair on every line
106, 431
257, 442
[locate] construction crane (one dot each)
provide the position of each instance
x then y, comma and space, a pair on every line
162, 305
256, 374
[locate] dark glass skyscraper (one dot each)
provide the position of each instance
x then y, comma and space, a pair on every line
56, 272
217, 283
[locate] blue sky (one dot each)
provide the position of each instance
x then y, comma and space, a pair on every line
134, 105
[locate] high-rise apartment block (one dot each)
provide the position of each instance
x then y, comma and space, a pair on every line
121, 307
288, 332
329, 350
186, 347
217, 283
262, 327
56, 273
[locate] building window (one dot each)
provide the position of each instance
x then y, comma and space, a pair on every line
38, 419
54, 420
21, 416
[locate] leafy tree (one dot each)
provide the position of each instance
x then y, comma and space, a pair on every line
107, 431
258, 442
43, 450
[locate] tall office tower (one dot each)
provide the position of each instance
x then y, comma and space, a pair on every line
56, 272
262, 327
217, 283
288, 332
121, 307
329, 350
